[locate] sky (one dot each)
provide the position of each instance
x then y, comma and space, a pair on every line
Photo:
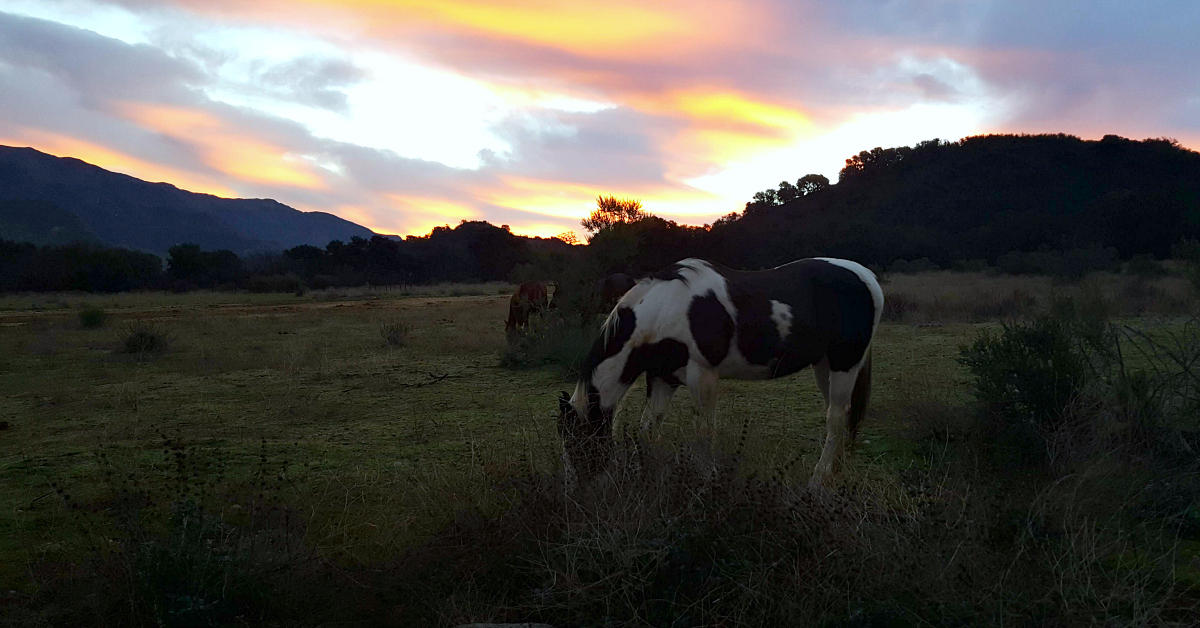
403, 115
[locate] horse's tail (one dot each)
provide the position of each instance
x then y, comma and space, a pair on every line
860, 396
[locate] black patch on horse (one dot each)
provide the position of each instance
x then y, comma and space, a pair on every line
833, 315
660, 359
846, 311
757, 336
617, 337
671, 273
711, 326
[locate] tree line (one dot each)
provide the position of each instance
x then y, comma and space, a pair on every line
1028, 203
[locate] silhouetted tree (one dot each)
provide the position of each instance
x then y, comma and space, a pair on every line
611, 210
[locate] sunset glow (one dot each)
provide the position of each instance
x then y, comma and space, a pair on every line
403, 115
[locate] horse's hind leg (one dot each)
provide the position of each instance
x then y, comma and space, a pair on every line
821, 373
658, 399
841, 389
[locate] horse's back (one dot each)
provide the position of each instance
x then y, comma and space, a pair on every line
760, 324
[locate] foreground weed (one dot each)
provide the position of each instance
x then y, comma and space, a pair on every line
181, 544
394, 333
142, 339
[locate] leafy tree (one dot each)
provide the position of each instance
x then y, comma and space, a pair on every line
611, 210
811, 183
787, 192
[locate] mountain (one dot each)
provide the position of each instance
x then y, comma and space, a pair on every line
41, 223
123, 211
980, 198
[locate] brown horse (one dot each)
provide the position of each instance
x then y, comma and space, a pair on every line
530, 297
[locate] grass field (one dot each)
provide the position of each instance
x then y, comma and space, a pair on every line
375, 445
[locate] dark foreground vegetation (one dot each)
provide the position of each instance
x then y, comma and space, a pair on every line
1062, 489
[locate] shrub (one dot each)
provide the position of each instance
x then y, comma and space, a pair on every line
1188, 251
191, 547
897, 306
394, 333
1030, 372
143, 339
550, 340
92, 318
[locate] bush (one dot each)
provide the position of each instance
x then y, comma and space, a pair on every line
177, 548
897, 306
1031, 372
394, 333
143, 339
550, 340
92, 318
1188, 251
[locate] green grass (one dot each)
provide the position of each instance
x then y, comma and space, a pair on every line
382, 447
319, 378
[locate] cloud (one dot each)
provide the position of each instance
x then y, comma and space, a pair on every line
96, 67
311, 81
401, 112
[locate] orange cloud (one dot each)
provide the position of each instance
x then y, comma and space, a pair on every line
615, 29
549, 198
717, 107
574, 202
63, 146
420, 214
606, 29
223, 149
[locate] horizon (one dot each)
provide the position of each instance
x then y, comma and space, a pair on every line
405, 116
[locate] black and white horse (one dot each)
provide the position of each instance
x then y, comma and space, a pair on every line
698, 321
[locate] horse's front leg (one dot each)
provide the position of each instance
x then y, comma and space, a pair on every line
702, 381
658, 399
841, 388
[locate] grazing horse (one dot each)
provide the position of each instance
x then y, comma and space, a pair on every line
529, 297
613, 287
698, 321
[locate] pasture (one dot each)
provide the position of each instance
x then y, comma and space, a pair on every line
372, 448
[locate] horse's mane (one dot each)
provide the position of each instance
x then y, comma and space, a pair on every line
634, 295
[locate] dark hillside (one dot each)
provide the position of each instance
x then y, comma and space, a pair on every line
123, 211
980, 198
41, 223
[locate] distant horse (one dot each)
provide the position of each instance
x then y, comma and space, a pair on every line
698, 321
530, 297
613, 287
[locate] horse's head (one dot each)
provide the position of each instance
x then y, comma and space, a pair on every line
584, 428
